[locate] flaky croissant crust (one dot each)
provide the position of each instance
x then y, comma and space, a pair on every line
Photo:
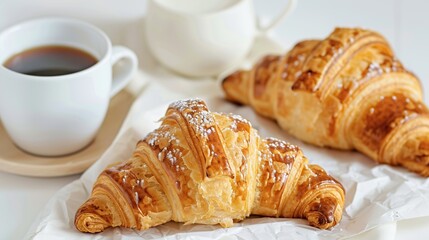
209, 168
347, 91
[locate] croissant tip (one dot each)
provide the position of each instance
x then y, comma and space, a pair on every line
228, 79
324, 213
235, 86
88, 219
90, 223
320, 220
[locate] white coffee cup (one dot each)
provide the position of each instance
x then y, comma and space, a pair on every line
57, 115
203, 38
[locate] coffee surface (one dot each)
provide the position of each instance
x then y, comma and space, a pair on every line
50, 61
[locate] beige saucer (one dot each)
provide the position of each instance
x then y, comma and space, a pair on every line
14, 160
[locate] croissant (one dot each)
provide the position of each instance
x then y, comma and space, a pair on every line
209, 168
347, 91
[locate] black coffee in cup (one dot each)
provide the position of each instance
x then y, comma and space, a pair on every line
50, 61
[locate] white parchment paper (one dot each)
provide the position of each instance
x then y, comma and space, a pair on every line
375, 194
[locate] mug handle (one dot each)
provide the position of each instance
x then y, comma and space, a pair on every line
124, 72
291, 5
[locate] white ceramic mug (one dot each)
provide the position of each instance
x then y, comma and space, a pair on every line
203, 38
57, 115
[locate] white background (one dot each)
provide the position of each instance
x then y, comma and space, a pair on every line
404, 23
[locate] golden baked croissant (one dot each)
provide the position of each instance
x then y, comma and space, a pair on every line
347, 91
209, 168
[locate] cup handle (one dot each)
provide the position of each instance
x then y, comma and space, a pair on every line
125, 71
275, 21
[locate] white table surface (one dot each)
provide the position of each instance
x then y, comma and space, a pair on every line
404, 23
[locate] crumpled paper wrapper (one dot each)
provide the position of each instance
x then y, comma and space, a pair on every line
375, 194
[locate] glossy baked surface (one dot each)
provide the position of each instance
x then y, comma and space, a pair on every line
209, 168
347, 91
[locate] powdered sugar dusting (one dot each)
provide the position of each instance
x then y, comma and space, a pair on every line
280, 144
199, 118
274, 152
237, 119
154, 137
277, 149
197, 115
167, 143
265, 154
140, 182
170, 154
